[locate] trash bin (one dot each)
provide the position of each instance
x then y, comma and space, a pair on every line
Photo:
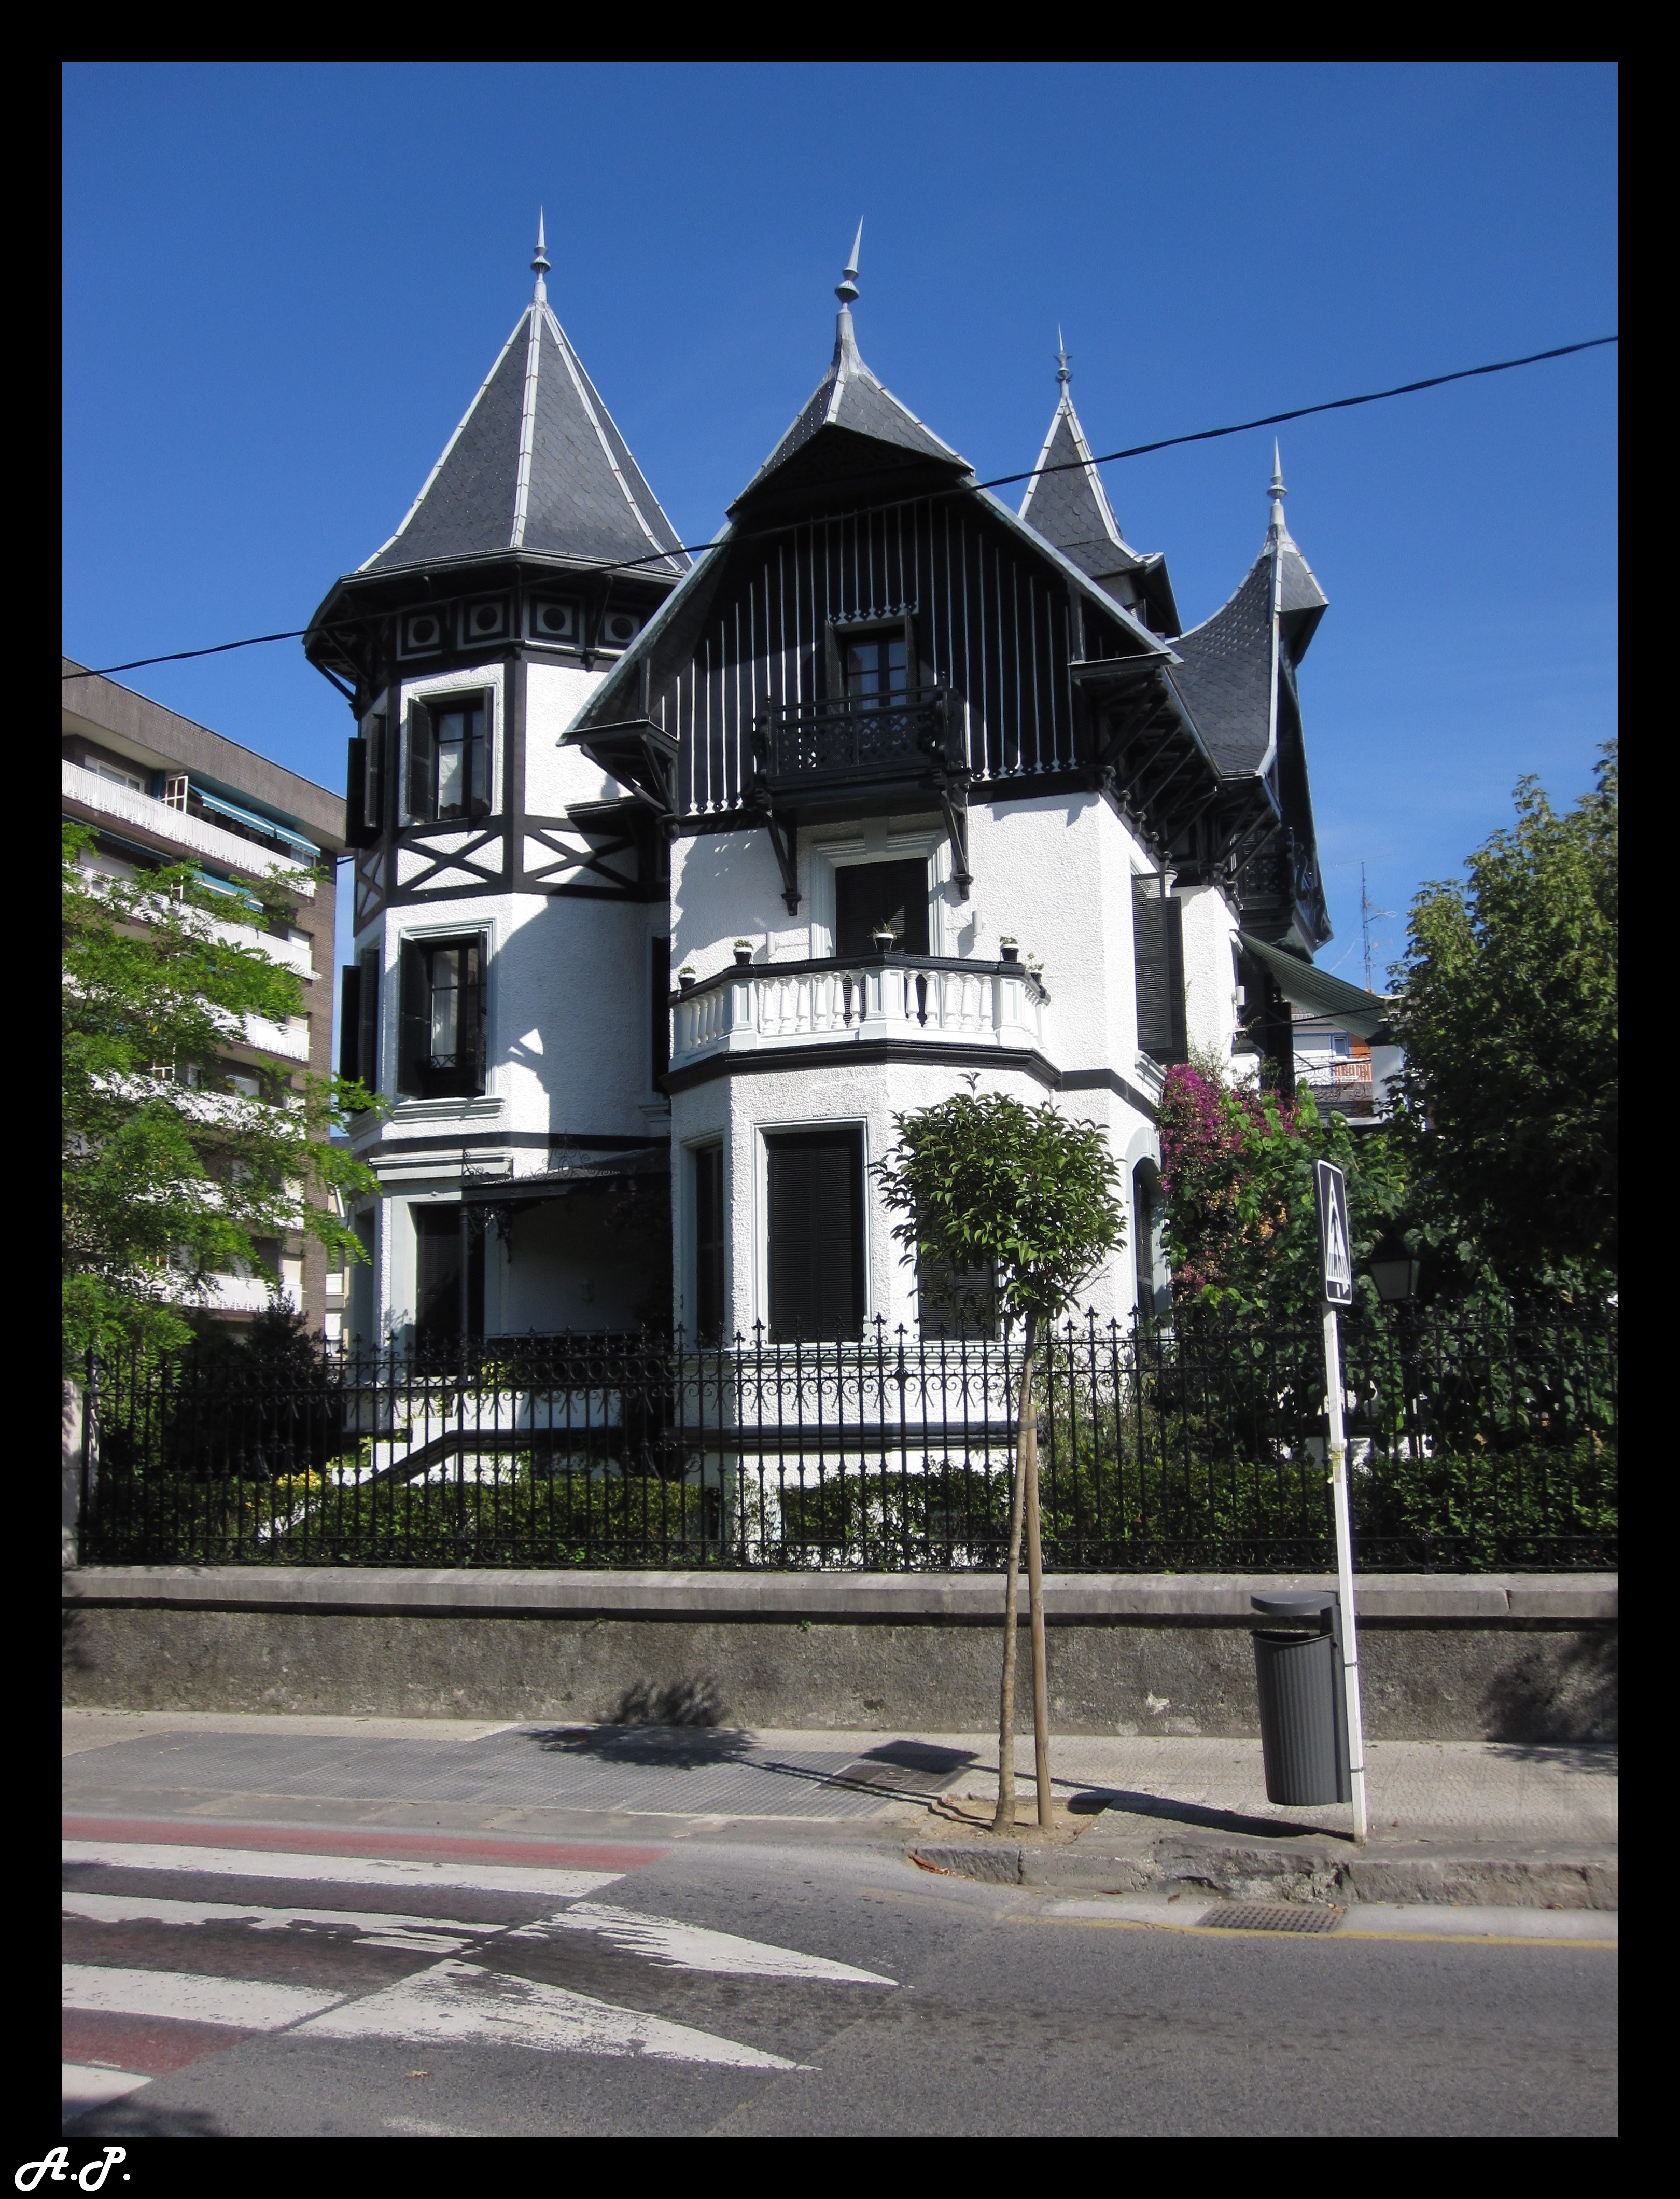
1298, 1666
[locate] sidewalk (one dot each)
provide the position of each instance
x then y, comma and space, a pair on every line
1473, 1822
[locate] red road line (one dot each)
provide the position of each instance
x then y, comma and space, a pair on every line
145, 2045
394, 1846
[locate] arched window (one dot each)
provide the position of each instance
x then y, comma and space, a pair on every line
1151, 1280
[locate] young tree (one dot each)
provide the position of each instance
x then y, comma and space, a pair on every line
1509, 1020
168, 1173
1025, 1199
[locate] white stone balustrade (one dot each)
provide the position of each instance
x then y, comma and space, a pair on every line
767, 1005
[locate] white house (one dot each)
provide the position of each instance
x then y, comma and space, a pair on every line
676, 881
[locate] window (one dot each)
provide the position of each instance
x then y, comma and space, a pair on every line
448, 759
868, 896
1146, 1239
816, 1234
1158, 954
442, 1018
711, 1304
442, 1307
367, 1021
962, 1304
373, 778
876, 667
115, 773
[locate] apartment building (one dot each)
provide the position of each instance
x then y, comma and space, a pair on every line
155, 788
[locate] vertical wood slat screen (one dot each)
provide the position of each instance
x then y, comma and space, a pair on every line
987, 621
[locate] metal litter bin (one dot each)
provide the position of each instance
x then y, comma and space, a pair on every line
1298, 1666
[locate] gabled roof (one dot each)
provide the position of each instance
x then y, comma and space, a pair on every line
1232, 662
848, 401
537, 465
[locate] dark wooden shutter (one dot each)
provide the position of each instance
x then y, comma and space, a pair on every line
357, 831
421, 793
414, 1046
816, 1235
659, 989
373, 813
350, 1021
1157, 952
709, 1310
367, 1043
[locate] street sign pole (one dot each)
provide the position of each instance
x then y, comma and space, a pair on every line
1336, 1268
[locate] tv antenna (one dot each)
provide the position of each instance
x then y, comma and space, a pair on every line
1367, 909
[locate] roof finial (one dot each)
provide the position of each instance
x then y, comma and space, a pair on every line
1062, 374
846, 289
1277, 492
540, 264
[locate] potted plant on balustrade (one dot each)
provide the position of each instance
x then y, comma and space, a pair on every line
1009, 946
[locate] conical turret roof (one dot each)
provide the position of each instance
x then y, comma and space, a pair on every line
537, 465
1066, 503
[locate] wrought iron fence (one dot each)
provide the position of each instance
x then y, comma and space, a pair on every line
1477, 1440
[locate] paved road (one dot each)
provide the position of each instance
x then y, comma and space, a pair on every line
242, 1977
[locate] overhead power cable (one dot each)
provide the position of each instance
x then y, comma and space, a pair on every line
998, 481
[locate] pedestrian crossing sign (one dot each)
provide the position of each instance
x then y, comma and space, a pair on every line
1335, 1248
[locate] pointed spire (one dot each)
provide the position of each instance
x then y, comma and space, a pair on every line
846, 289
540, 264
1277, 492
1062, 373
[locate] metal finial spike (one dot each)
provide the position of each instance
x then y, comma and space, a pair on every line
540, 264
1062, 373
1277, 488
846, 289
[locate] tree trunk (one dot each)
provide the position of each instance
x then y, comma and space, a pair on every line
1004, 1820
1036, 1608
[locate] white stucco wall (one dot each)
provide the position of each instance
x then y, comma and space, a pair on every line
556, 776
1209, 973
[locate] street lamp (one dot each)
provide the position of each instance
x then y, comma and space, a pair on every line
1394, 1269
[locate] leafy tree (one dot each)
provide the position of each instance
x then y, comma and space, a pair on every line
1026, 1198
1509, 1020
1241, 1214
170, 1174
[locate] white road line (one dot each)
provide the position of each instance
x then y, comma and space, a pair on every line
85, 2086
423, 1935
339, 1870
185, 1998
459, 2003
689, 1947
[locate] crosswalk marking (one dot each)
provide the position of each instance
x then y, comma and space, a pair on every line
192, 2015
84, 2085
422, 1935
462, 2003
691, 1948
342, 1870
242, 2003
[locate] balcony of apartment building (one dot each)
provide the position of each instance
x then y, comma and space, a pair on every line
1337, 1068
185, 821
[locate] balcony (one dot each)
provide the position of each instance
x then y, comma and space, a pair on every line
173, 829
912, 998
811, 747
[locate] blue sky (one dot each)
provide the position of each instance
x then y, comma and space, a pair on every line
283, 285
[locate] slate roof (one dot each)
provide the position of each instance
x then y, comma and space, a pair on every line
1228, 666
1071, 509
849, 398
537, 465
